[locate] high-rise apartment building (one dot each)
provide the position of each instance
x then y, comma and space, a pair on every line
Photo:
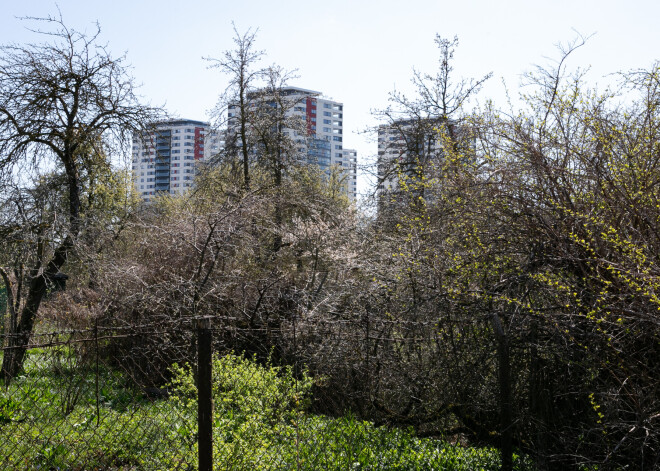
402, 146
321, 134
411, 149
165, 160
350, 176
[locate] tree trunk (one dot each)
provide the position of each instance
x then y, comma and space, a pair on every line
244, 137
11, 308
12, 361
14, 357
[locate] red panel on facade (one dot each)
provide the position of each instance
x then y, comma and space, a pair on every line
199, 144
310, 105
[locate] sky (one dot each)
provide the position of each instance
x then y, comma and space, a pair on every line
355, 52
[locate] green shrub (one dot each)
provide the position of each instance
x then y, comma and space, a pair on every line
255, 408
260, 423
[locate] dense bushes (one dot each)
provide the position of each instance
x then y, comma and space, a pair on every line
508, 297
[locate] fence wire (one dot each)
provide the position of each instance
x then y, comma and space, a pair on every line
125, 397
91, 399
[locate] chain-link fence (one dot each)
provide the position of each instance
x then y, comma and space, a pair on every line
152, 397
92, 399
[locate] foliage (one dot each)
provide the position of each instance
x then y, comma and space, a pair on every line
243, 390
260, 422
576, 190
527, 267
261, 409
49, 419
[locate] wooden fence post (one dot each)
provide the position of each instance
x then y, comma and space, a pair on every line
204, 394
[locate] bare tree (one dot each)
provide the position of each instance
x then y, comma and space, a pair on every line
239, 65
63, 104
419, 130
277, 133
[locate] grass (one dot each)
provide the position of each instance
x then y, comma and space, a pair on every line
49, 420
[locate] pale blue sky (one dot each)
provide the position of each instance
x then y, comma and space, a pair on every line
353, 51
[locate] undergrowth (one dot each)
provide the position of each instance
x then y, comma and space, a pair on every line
52, 418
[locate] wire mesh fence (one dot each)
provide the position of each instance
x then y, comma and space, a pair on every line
153, 396
90, 399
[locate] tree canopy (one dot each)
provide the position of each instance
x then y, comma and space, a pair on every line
66, 104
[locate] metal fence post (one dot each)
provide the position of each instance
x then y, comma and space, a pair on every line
204, 394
